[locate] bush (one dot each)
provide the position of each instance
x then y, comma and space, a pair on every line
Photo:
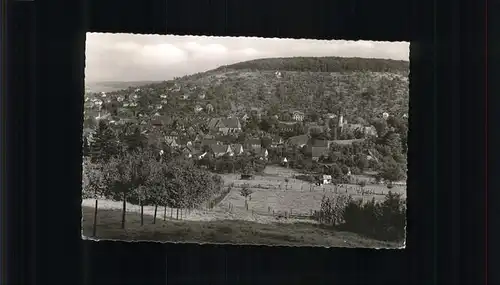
332, 209
384, 220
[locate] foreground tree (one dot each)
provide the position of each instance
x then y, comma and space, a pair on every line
126, 175
246, 192
94, 186
105, 144
392, 172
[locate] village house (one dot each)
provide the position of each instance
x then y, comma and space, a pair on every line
172, 142
245, 117
286, 126
237, 149
198, 109
201, 156
202, 96
226, 139
218, 150
298, 141
311, 127
172, 135
209, 142
326, 179
263, 153
184, 97
318, 152
156, 122
276, 141
225, 125
163, 96
297, 116
284, 161
344, 142
209, 108
329, 116
164, 101
253, 144
370, 131
255, 112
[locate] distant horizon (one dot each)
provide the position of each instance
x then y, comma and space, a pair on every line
135, 57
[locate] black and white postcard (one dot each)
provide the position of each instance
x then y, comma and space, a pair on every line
240, 140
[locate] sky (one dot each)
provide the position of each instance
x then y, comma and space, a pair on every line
134, 57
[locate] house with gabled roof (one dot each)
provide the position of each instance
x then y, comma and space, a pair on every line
208, 142
253, 143
198, 109
312, 143
229, 125
298, 141
298, 116
218, 150
286, 126
263, 153
172, 135
276, 141
226, 139
245, 117
189, 151
318, 152
237, 149
209, 108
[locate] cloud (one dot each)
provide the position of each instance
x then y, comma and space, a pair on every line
161, 54
129, 57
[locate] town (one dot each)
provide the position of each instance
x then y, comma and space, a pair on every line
313, 154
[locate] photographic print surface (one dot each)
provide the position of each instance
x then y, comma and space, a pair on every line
241, 140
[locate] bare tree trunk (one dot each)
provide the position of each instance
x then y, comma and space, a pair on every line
142, 214
94, 229
124, 209
165, 213
154, 217
177, 217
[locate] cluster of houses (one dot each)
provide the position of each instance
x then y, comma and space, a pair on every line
222, 140
223, 132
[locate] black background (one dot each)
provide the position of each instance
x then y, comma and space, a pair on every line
447, 183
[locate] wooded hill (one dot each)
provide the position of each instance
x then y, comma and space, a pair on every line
360, 88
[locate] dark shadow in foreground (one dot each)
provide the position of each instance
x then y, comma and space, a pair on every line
224, 231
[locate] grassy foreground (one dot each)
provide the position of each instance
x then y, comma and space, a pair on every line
235, 232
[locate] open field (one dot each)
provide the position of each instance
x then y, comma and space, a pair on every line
227, 231
271, 196
231, 222
272, 193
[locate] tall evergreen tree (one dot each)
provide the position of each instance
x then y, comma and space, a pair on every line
85, 147
136, 140
104, 145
